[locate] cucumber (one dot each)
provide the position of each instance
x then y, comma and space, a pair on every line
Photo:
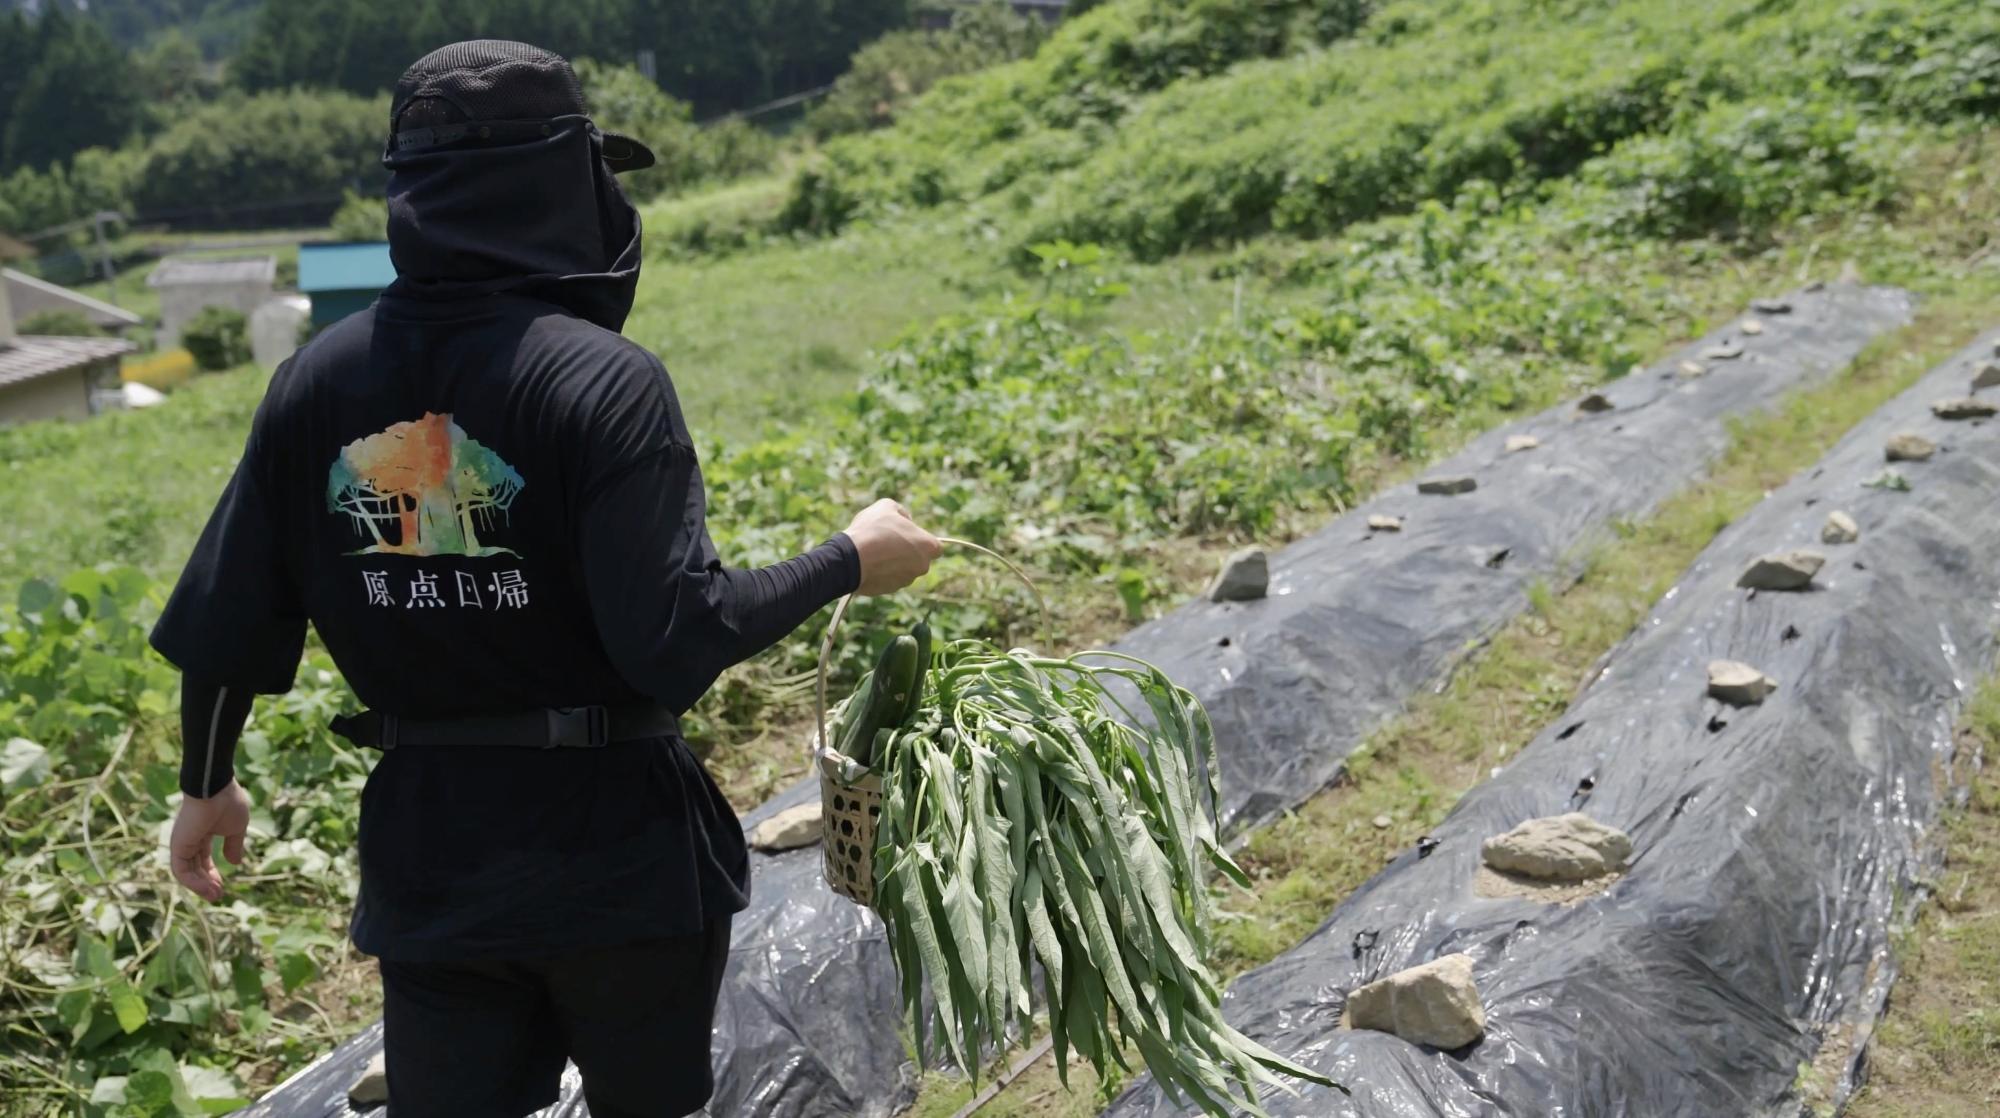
922, 633
887, 701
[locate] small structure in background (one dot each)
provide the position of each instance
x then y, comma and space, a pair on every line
343, 278
32, 295
186, 285
55, 378
276, 327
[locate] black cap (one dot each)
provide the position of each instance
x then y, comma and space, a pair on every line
493, 81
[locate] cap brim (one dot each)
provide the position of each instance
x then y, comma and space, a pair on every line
623, 153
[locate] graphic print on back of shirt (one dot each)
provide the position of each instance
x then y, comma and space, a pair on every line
422, 487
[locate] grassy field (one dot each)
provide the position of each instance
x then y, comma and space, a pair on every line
771, 335
1937, 1053
1263, 342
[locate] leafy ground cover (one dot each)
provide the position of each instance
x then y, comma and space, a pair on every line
1109, 422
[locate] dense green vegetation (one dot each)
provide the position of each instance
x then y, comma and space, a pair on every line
895, 69
49, 114
1056, 376
719, 56
214, 27
1427, 100
295, 117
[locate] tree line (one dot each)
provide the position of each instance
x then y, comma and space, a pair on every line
293, 119
67, 82
717, 55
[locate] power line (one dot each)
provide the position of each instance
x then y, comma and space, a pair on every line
768, 106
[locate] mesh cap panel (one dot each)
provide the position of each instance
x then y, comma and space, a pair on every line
498, 80
493, 79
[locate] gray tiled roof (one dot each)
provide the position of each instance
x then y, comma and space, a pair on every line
27, 358
30, 294
175, 270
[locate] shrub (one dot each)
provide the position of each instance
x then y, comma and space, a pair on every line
892, 71
1936, 62
264, 157
61, 324
624, 100
218, 337
1088, 75
1740, 165
361, 218
715, 222
95, 179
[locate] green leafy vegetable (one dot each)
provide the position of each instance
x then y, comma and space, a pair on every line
1034, 817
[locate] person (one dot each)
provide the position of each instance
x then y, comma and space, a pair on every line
488, 505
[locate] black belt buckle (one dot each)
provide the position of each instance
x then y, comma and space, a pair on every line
578, 727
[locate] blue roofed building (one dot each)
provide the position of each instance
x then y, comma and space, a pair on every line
343, 278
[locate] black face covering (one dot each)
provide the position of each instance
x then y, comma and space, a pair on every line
540, 216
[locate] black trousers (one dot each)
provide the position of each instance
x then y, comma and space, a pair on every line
488, 1039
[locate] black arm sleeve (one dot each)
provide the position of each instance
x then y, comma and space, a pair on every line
672, 617
212, 718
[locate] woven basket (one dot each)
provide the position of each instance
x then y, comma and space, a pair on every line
851, 809
850, 812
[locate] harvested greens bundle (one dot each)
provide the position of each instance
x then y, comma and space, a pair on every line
1023, 820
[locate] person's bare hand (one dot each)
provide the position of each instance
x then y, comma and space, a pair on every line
226, 815
894, 551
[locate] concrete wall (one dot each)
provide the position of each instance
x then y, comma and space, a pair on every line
63, 396
274, 328
182, 301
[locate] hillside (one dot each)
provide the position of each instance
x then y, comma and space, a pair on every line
1194, 275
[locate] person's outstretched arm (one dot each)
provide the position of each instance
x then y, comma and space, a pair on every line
673, 617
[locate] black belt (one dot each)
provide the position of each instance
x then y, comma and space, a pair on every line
553, 728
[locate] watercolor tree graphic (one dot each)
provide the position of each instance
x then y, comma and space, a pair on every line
422, 488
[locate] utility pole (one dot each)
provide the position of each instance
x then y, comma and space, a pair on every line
104, 254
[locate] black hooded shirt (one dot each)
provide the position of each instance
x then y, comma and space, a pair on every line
486, 501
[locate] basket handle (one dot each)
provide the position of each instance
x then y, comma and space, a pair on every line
840, 611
